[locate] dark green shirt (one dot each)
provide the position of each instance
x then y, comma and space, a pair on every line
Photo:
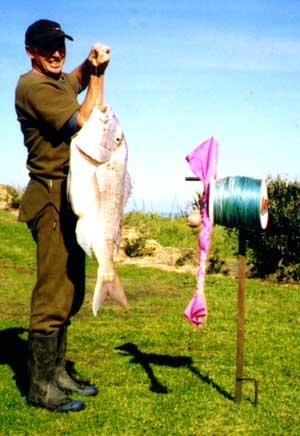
43, 106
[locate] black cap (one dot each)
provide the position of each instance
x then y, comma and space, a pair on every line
43, 32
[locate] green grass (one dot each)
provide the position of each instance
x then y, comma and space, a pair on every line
157, 375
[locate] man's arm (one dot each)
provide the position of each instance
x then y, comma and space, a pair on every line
90, 74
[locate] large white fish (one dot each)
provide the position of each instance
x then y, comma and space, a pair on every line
98, 188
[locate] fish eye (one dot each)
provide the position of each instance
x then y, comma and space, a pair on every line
118, 138
119, 135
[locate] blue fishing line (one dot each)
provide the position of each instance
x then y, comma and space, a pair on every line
237, 202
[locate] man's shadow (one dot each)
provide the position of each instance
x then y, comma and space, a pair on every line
13, 352
146, 359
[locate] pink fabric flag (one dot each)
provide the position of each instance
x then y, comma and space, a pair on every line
195, 311
203, 162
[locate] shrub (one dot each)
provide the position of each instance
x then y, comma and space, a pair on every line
216, 264
134, 247
10, 197
276, 250
188, 256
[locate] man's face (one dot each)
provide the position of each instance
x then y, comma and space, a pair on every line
48, 60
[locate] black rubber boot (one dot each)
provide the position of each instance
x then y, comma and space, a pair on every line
43, 391
62, 378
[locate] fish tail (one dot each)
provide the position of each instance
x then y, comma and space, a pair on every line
108, 285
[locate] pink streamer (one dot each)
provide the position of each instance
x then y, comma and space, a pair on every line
195, 311
203, 162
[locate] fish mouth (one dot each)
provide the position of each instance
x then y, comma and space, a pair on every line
87, 157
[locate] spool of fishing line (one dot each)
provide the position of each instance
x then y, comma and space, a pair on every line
239, 202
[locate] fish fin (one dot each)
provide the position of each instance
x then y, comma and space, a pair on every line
108, 285
82, 235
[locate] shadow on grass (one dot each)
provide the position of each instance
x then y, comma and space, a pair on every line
13, 352
146, 359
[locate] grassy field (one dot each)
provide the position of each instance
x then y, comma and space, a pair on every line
157, 375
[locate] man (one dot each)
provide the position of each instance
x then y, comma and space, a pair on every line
49, 114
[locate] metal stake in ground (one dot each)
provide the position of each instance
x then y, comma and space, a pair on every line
240, 321
240, 316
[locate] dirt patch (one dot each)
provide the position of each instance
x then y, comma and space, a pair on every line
166, 258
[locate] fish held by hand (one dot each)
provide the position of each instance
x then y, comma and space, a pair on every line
98, 188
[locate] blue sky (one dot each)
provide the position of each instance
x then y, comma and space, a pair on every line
180, 72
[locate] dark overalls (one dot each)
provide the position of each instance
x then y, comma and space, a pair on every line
59, 290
